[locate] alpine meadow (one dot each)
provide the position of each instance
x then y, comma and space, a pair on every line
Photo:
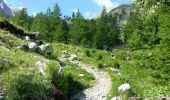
119, 53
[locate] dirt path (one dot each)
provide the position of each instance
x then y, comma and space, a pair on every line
100, 90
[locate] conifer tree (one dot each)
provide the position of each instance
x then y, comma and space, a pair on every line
102, 31
22, 19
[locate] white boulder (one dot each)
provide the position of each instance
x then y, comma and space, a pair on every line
27, 38
59, 74
124, 88
43, 47
42, 66
114, 98
81, 75
33, 46
63, 60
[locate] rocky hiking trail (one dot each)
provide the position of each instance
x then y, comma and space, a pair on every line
101, 88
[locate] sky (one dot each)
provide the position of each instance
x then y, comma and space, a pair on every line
88, 8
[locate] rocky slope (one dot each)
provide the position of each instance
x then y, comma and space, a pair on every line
123, 13
6, 10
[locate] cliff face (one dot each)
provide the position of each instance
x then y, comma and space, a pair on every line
123, 13
5, 10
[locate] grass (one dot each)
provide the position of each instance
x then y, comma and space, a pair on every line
147, 71
136, 67
21, 78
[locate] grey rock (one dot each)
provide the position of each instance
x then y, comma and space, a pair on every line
27, 38
33, 46
123, 14
62, 60
37, 35
42, 66
59, 74
124, 88
42, 48
113, 56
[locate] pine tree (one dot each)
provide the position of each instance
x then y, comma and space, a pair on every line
40, 24
57, 11
100, 40
22, 19
61, 33
76, 28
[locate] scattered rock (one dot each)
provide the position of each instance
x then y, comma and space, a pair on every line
113, 56
4, 48
104, 65
81, 75
37, 35
63, 60
33, 46
65, 56
27, 38
124, 88
23, 47
114, 98
72, 57
2, 43
42, 48
129, 59
114, 70
59, 74
42, 65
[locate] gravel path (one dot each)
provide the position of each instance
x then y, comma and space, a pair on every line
100, 90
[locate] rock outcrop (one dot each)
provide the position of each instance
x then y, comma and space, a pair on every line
6, 10
123, 13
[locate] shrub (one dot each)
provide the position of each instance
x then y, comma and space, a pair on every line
99, 57
88, 54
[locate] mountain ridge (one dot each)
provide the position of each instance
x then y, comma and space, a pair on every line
5, 10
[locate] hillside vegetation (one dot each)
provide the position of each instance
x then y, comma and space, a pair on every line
144, 63
20, 77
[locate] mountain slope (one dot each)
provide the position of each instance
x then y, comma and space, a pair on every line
123, 13
20, 70
5, 10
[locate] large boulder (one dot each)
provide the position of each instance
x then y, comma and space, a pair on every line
42, 48
37, 35
33, 46
124, 88
27, 38
42, 66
